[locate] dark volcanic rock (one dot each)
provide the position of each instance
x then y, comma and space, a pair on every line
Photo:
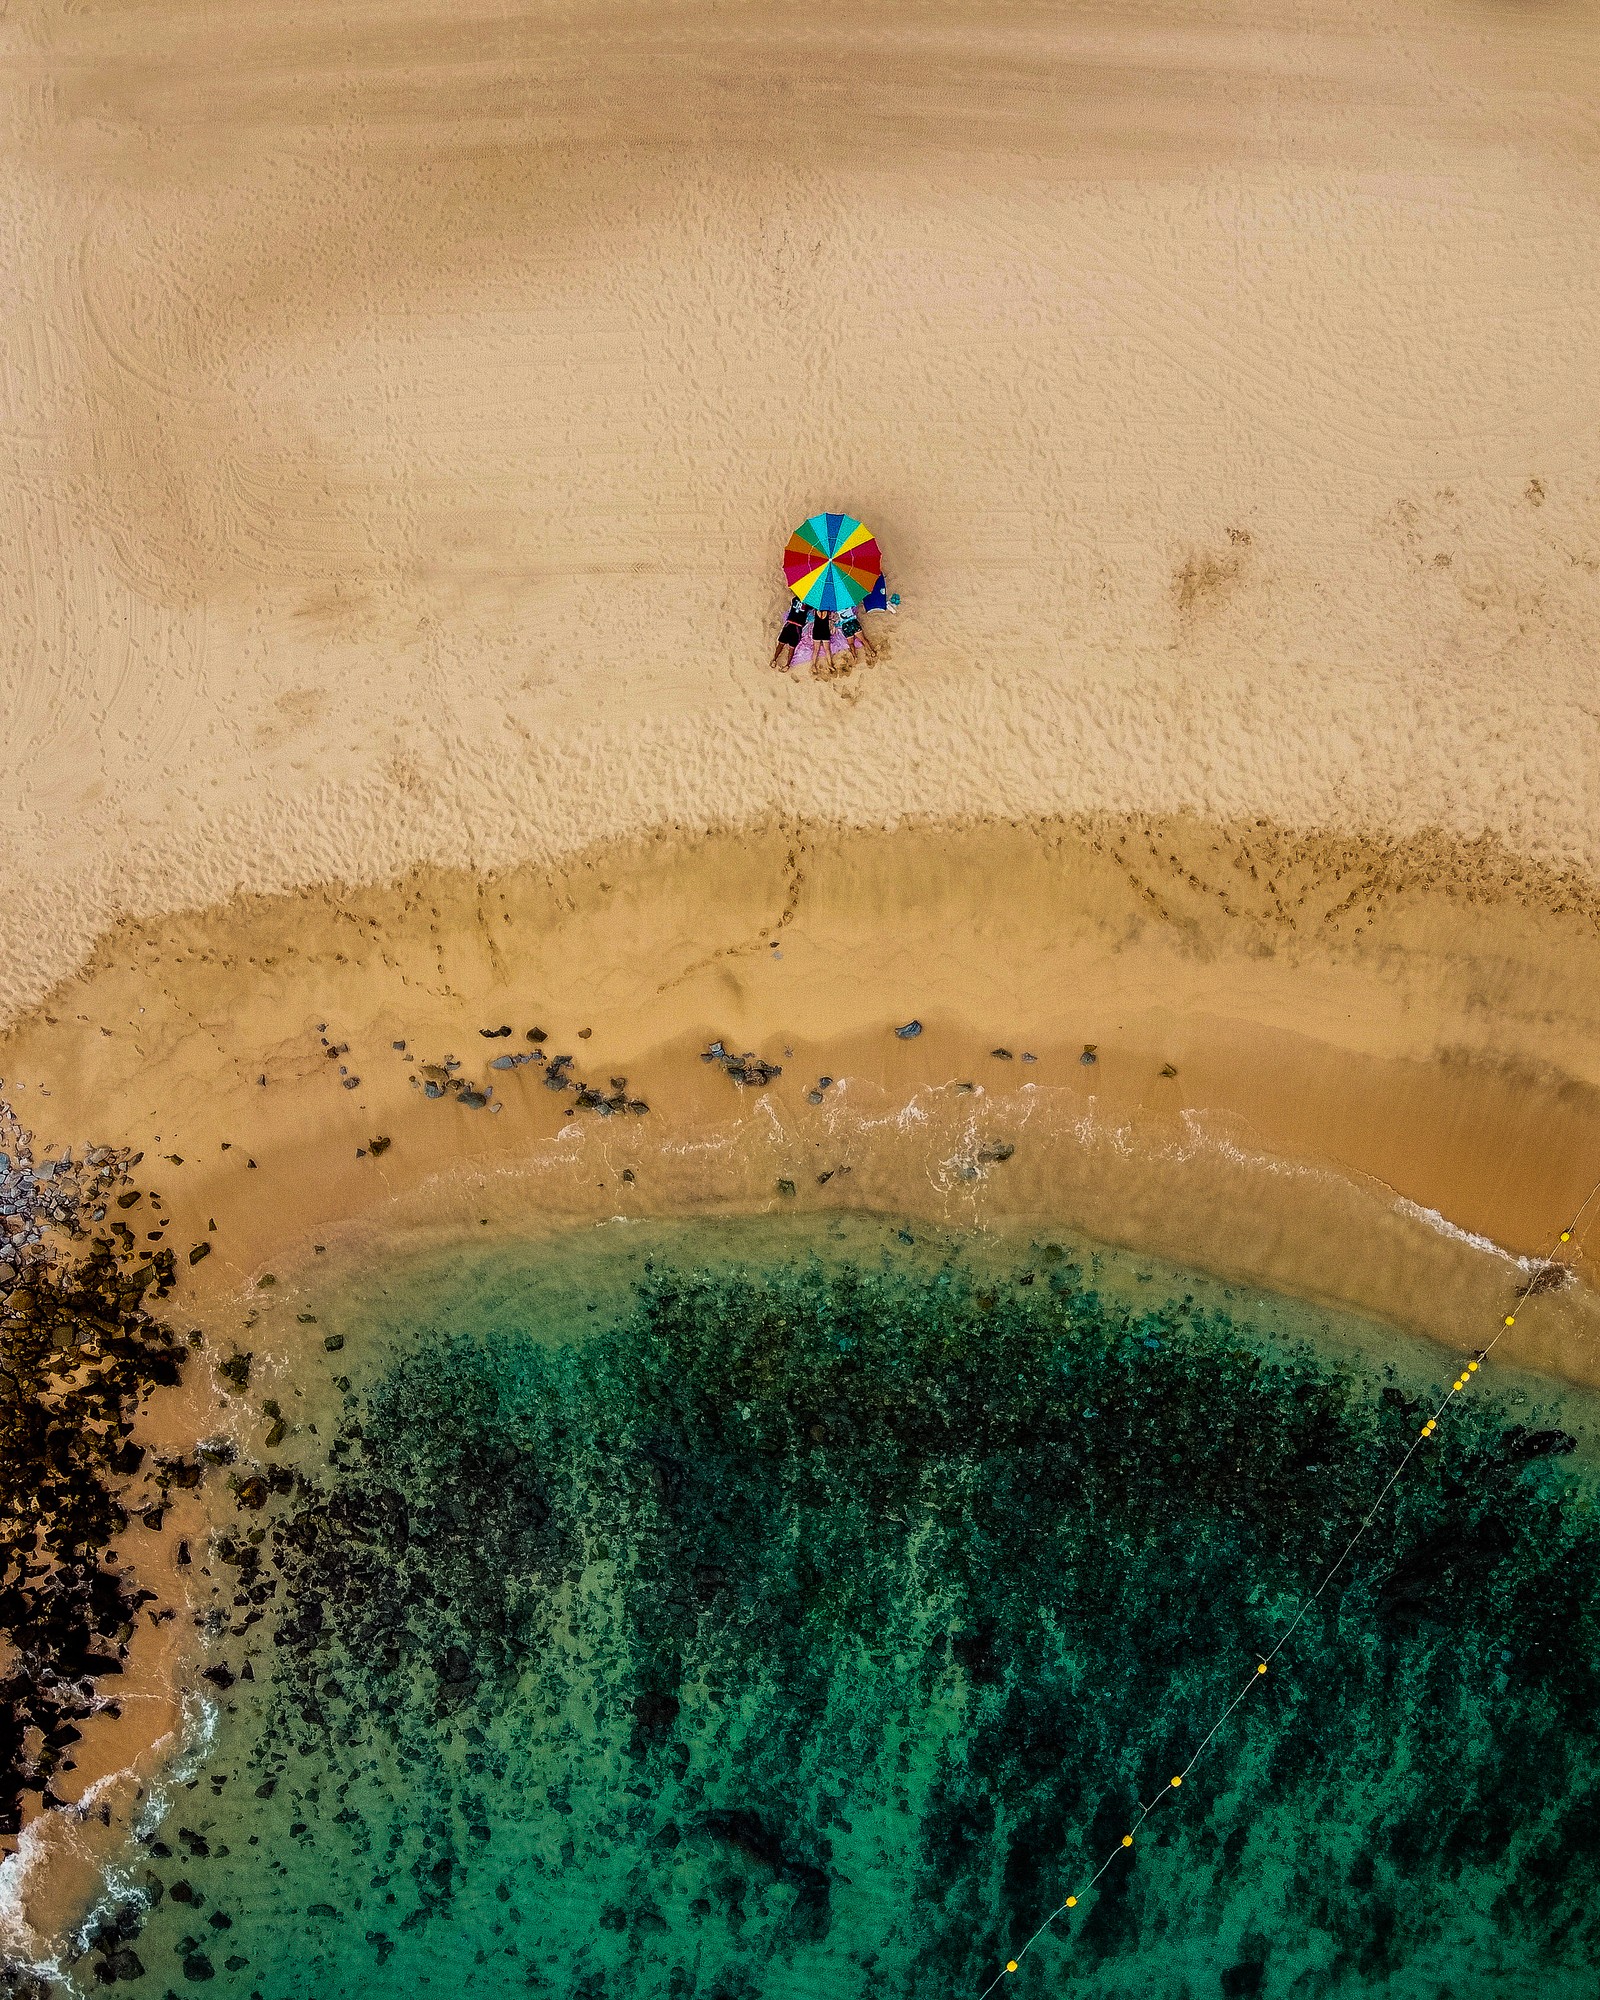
79, 1350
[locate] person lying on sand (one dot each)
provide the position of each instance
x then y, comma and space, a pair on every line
831, 654
821, 637
855, 636
789, 637
801, 657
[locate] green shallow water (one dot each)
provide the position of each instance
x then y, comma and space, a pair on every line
735, 1614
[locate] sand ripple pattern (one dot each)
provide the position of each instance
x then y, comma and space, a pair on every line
402, 411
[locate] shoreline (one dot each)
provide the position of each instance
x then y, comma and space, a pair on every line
1424, 1024
1420, 1016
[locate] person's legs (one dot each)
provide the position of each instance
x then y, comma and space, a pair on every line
821, 659
788, 636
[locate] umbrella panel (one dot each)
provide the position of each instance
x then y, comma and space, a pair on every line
831, 562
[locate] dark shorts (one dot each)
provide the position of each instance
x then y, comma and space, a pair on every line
789, 636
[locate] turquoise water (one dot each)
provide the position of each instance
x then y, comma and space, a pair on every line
743, 1616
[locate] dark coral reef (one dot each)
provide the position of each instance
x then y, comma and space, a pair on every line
818, 1629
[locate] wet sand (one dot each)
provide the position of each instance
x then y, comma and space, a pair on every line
1416, 1023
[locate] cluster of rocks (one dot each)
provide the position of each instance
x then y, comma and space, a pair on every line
442, 1080
748, 1068
333, 1050
78, 1351
38, 1195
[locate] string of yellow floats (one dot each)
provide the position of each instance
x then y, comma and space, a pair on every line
1462, 1382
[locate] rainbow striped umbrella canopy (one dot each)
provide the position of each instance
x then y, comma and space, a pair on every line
831, 562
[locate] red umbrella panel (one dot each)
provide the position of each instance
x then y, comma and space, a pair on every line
831, 562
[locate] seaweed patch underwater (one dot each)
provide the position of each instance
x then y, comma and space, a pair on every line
802, 1628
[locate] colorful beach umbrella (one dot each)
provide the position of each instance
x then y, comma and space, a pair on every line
831, 562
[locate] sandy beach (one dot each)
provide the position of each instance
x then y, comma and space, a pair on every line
1263, 1047
403, 414
406, 412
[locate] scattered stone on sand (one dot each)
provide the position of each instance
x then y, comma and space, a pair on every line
748, 1068
494, 1034
439, 1080
333, 1342
786, 1187
1090, 1053
1168, 1070
910, 1031
197, 1251
377, 1146
1004, 1054
997, 1150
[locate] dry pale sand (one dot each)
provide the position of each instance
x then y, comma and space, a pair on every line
403, 411
404, 407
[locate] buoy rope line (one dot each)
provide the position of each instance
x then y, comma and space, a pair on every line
1264, 1662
